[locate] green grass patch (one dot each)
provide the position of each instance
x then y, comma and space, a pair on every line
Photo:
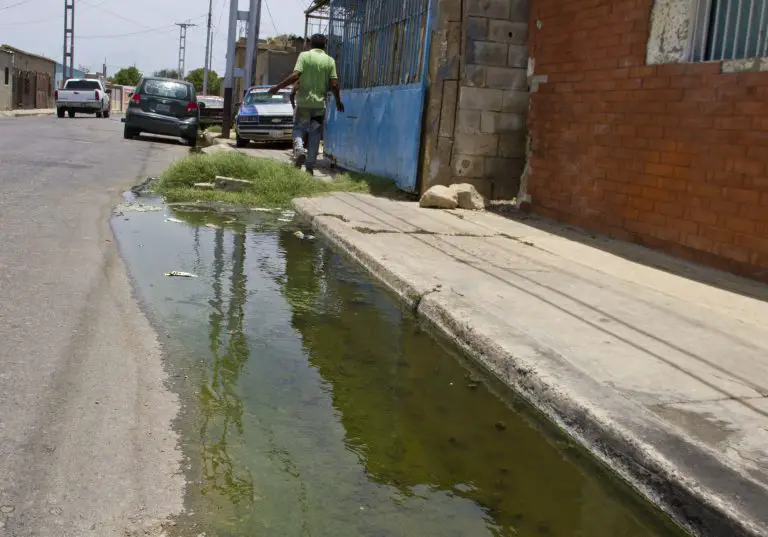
275, 184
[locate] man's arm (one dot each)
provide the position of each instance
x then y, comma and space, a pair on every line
287, 81
293, 94
337, 94
335, 87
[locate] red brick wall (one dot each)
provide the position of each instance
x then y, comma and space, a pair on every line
672, 156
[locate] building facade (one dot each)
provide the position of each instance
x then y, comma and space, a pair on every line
6, 80
649, 123
33, 77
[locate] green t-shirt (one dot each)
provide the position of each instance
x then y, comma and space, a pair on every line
317, 70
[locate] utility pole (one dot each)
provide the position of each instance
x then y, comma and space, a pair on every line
207, 49
69, 39
183, 45
252, 16
229, 74
251, 50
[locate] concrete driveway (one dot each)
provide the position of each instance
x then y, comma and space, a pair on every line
86, 445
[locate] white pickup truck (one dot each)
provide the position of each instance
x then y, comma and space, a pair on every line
84, 96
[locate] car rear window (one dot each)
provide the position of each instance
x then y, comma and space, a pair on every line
166, 88
263, 97
82, 84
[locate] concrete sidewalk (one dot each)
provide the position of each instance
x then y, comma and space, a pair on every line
658, 367
27, 113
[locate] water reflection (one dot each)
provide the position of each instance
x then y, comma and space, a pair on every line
317, 407
221, 404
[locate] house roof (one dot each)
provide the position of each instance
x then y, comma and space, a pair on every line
15, 50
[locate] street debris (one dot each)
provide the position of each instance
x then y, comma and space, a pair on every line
462, 196
232, 184
179, 274
137, 208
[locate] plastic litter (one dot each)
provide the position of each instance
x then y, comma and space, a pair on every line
179, 274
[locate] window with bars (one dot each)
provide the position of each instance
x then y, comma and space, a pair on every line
730, 30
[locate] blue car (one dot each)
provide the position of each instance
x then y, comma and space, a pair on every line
263, 117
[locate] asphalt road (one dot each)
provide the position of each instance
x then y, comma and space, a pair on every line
86, 445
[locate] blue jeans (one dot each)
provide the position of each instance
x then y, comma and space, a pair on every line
307, 122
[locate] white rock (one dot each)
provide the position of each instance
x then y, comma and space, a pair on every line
230, 184
218, 148
468, 197
439, 197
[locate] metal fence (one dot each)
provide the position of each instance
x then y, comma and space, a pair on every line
378, 42
730, 30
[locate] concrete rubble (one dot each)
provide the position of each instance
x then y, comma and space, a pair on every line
463, 196
231, 184
658, 367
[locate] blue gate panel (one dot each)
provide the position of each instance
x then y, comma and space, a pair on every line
379, 133
381, 49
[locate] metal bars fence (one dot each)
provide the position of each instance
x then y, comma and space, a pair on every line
730, 30
378, 42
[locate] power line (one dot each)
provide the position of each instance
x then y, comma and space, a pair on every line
150, 30
15, 5
47, 19
269, 12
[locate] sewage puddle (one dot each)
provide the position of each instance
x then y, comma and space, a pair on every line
315, 406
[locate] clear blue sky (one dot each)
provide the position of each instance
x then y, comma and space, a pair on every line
110, 29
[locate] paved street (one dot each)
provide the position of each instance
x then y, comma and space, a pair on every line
86, 446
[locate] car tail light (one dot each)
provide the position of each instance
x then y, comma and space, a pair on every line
56, 95
192, 106
136, 98
98, 95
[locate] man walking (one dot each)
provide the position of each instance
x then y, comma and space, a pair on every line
315, 72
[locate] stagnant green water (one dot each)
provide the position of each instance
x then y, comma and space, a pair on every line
315, 406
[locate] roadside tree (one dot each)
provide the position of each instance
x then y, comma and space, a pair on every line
127, 76
196, 77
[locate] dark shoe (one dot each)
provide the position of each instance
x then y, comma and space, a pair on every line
310, 171
300, 160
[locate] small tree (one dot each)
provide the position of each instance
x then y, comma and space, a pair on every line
127, 76
167, 73
195, 76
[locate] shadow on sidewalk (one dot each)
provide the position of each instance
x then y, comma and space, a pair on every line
638, 253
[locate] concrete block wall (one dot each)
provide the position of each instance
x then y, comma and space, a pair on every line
475, 121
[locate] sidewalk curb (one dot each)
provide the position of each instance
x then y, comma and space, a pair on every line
27, 113
673, 471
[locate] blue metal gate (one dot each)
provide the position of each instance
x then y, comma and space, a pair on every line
381, 49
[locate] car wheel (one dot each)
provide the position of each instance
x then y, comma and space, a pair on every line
60, 112
192, 142
100, 113
241, 142
71, 113
106, 113
129, 133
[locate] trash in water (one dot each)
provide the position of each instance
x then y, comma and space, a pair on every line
178, 274
284, 220
174, 220
261, 209
298, 235
212, 226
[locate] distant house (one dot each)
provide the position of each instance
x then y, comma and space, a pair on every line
59, 77
6, 79
32, 78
